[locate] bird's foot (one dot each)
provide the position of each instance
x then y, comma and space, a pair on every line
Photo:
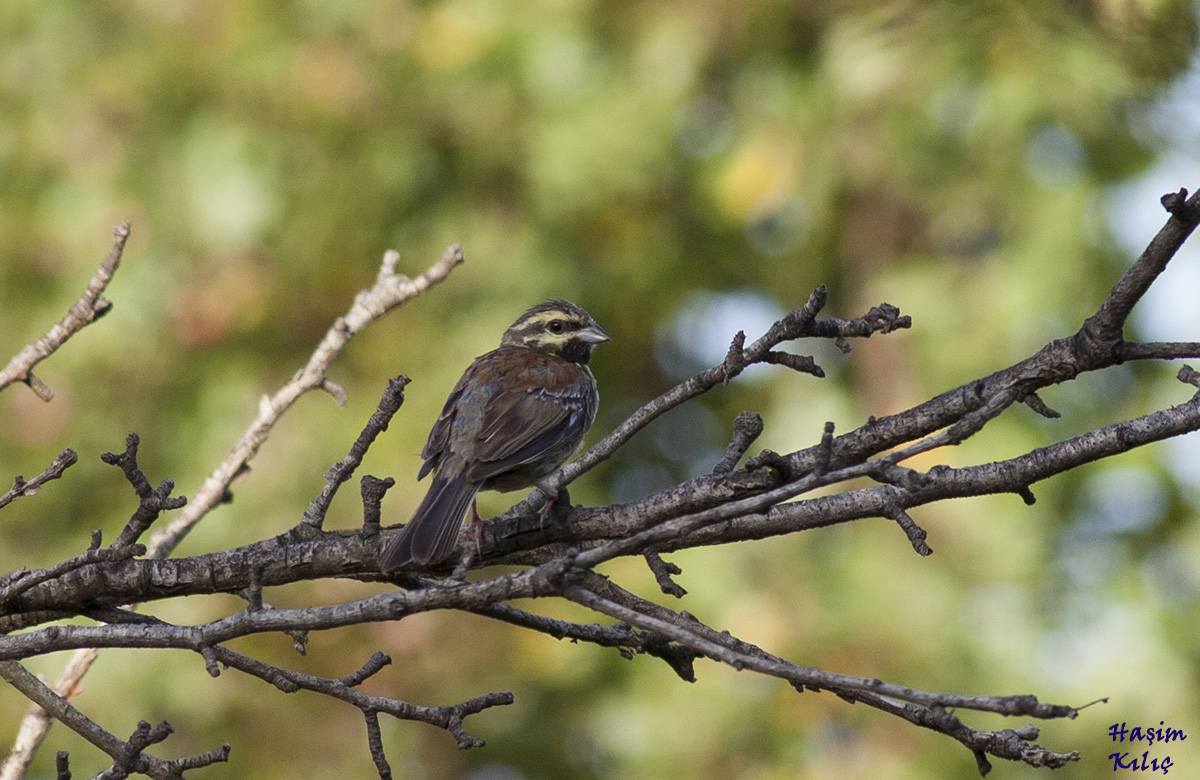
556, 498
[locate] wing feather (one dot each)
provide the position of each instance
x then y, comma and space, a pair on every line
514, 406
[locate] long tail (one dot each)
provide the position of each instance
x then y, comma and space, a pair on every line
431, 533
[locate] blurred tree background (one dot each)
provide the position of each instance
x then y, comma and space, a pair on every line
682, 170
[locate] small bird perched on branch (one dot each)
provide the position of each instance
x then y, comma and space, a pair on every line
515, 416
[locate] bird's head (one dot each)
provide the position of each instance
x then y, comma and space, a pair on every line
557, 328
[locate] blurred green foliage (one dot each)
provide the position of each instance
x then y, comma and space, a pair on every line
681, 170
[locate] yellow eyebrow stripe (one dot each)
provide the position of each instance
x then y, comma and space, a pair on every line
549, 316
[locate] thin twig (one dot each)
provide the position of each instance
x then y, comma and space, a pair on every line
746, 428
289, 681
389, 404
22, 487
151, 501
90, 307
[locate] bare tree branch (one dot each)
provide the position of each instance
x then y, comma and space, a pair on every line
768, 496
289, 681
129, 756
746, 428
151, 501
341, 471
389, 291
90, 307
21, 487
14, 584
36, 724
343, 554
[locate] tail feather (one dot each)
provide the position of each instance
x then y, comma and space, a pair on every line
431, 533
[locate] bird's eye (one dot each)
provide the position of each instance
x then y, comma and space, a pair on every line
557, 326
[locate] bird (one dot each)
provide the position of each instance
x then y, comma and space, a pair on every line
515, 416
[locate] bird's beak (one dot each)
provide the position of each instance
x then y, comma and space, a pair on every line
593, 334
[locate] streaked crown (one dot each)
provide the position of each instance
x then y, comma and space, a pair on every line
558, 328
